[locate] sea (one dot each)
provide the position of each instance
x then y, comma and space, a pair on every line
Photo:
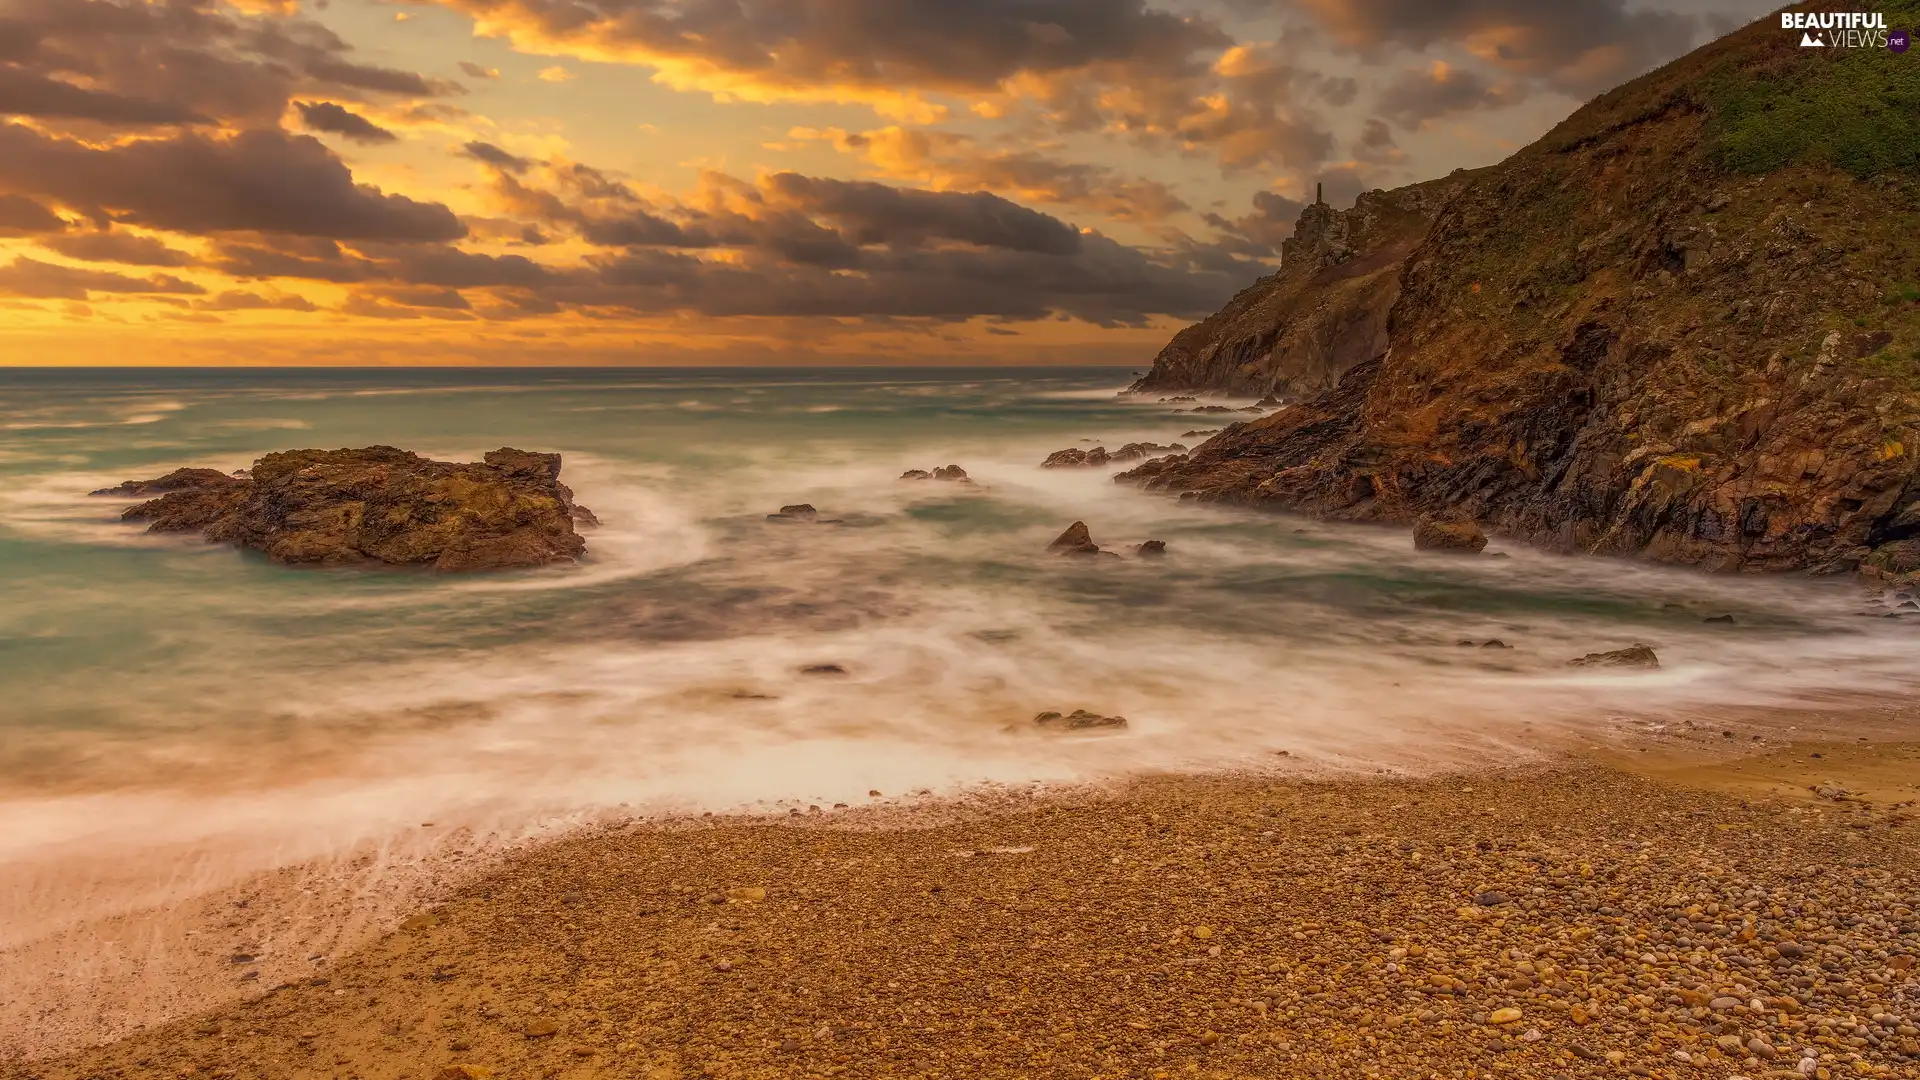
206, 755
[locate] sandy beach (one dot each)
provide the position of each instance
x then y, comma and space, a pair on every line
1681, 912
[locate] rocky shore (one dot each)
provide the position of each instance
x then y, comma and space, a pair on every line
1575, 920
377, 505
1641, 335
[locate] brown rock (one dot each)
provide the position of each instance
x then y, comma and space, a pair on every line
1077, 540
1457, 536
1078, 720
1151, 549
1631, 656
177, 480
378, 505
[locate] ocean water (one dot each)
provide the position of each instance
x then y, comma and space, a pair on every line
180, 721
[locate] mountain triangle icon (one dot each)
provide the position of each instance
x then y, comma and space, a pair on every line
1809, 40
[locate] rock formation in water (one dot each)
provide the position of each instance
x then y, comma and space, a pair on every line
1074, 458
376, 505
1078, 720
1296, 331
1684, 325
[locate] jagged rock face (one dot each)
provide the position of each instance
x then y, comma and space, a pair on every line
378, 505
1297, 331
1637, 337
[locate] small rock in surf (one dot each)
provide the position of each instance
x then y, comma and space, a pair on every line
1631, 656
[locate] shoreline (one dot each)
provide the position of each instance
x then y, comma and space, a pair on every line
645, 945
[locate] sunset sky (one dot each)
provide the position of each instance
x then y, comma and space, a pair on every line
728, 181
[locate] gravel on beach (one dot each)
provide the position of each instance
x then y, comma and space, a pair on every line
1573, 921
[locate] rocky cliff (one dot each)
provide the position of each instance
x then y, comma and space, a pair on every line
1295, 332
375, 505
1684, 325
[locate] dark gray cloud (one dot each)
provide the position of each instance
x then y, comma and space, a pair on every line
1258, 234
871, 213
242, 300
1160, 77
26, 93
37, 280
1580, 46
256, 181
1415, 98
21, 216
130, 63
887, 44
118, 247
490, 154
333, 119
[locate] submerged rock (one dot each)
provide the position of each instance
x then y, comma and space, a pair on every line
795, 512
1631, 656
1432, 534
951, 473
1078, 720
1151, 549
378, 504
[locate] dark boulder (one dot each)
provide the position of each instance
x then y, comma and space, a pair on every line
1151, 549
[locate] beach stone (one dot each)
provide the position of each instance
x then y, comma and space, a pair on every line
1491, 898
540, 1028
1508, 1015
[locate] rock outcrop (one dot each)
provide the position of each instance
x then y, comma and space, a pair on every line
1678, 327
1296, 331
377, 505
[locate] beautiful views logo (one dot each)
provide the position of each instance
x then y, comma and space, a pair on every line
1841, 29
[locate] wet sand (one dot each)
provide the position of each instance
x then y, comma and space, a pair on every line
1680, 912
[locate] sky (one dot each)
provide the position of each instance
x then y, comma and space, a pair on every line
265, 182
